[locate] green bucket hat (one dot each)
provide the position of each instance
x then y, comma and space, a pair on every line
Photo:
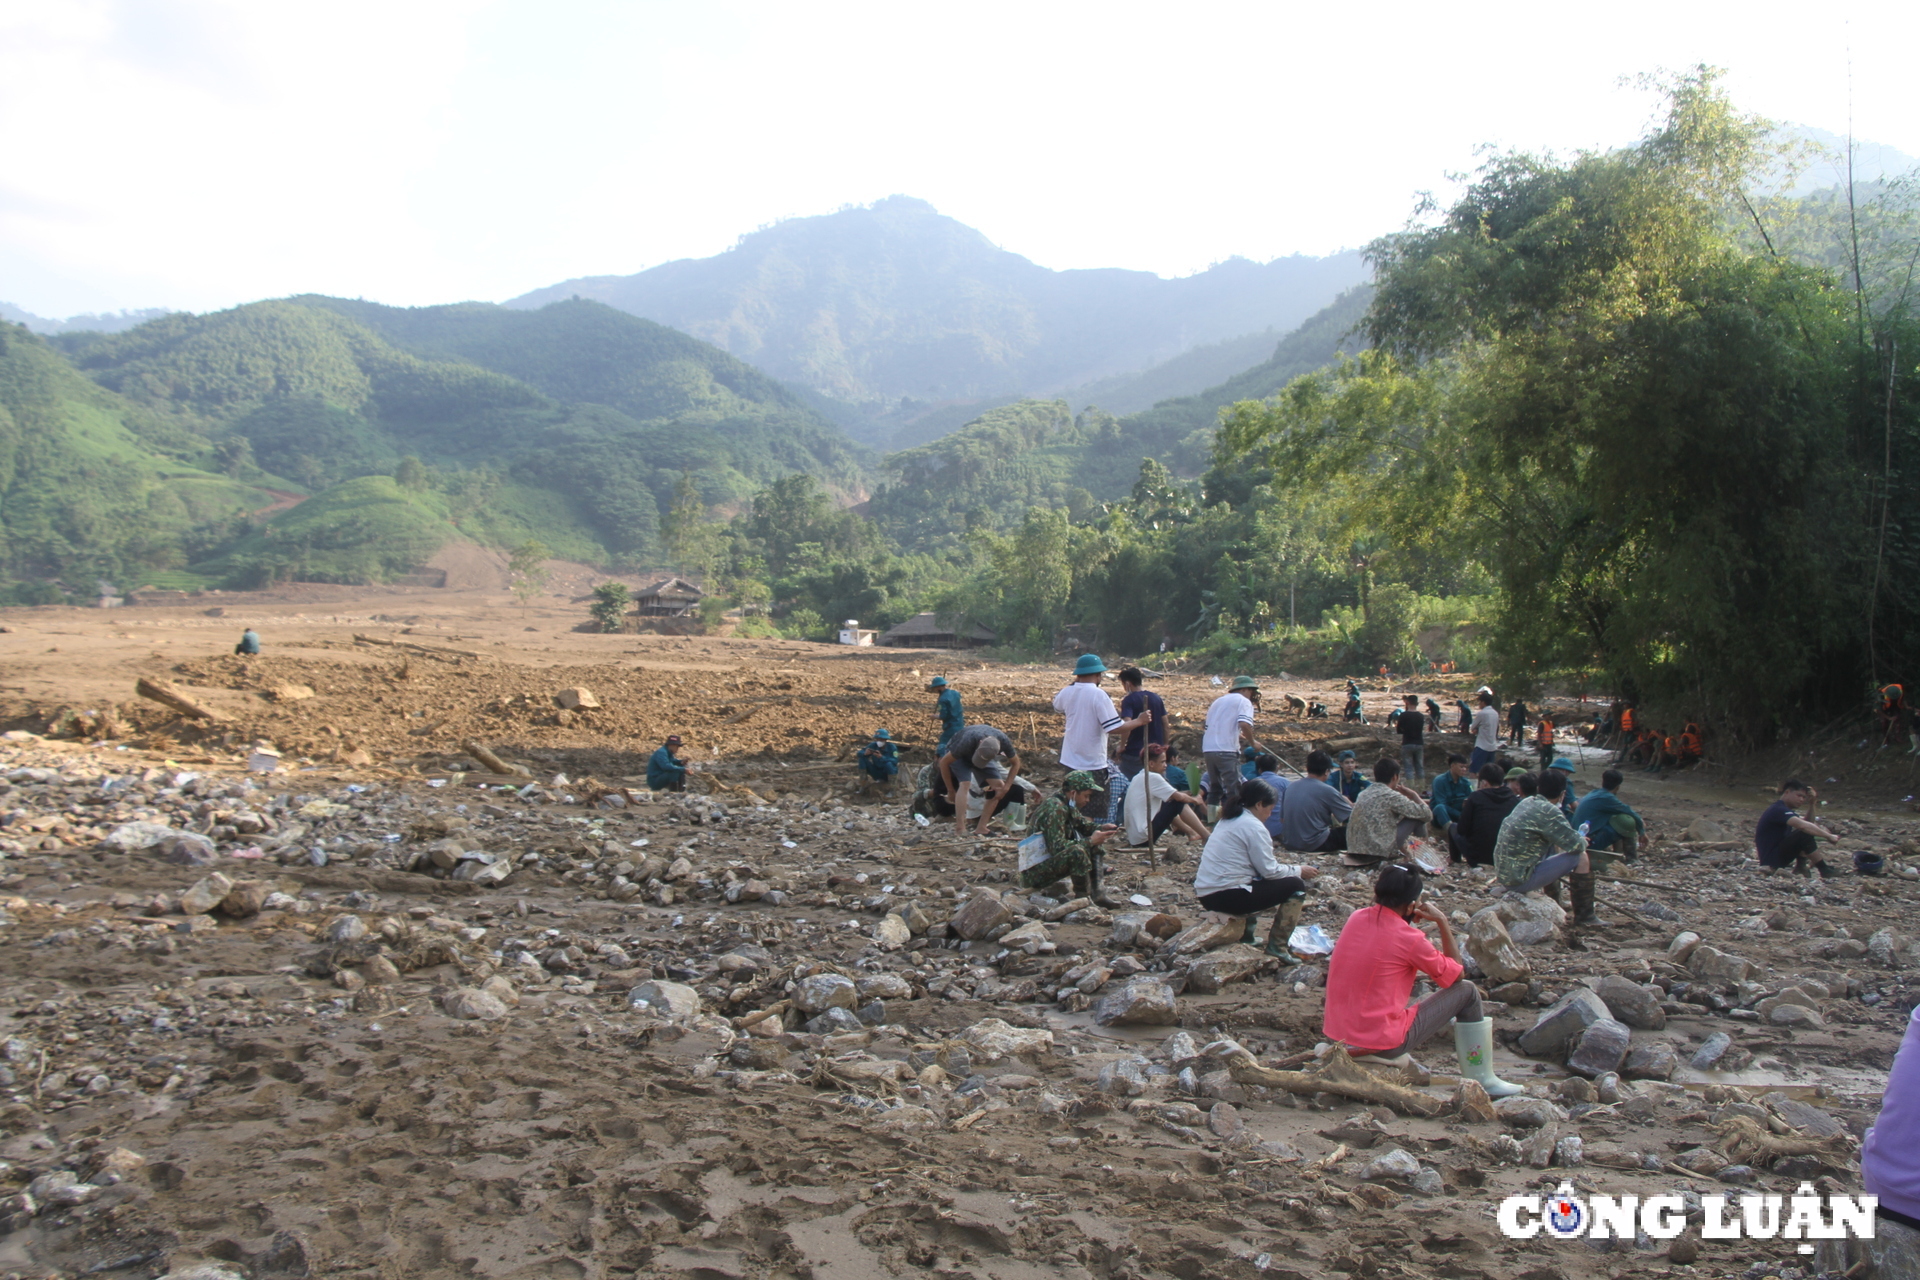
882, 735
1244, 682
1089, 665
1563, 764
938, 682
1081, 780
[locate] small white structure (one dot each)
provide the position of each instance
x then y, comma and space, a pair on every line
850, 633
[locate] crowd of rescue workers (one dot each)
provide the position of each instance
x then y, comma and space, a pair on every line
1243, 808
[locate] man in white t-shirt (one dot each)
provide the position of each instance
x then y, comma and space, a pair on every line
1152, 799
1486, 732
1091, 716
1229, 723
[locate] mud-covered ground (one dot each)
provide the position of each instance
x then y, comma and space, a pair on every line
401, 1037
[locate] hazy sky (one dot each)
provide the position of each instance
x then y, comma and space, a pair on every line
200, 153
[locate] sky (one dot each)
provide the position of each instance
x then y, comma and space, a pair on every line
197, 154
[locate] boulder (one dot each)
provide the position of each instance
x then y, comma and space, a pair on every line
1142, 1001
578, 698
1705, 831
1029, 937
1137, 928
1650, 1060
674, 1001
1683, 946
979, 915
206, 895
824, 991
883, 986
1395, 1165
1210, 931
1560, 1021
1493, 949
892, 933
991, 1039
246, 898
1797, 1015
1710, 1053
1721, 968
1631, 1003
1471, 1103
468, 1003
1517, 907
1792, 995
1126, 1077
188, 849
1527, 1113
1528, 933
1209, 973
1603, 1047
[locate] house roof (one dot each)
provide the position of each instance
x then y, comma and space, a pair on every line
925, 624
679, 587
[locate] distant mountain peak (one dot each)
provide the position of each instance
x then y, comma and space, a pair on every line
874, 304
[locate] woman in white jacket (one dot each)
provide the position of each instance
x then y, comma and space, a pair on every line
1238, 875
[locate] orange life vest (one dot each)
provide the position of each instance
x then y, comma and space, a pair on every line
1626, 719
1546, 733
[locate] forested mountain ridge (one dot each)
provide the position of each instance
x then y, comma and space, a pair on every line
869, 305
1032, 453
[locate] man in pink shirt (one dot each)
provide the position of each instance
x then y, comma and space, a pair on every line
1371, 974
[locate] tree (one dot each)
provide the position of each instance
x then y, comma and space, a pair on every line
609, 607
692, 540
526, 573
411, 473
1637, 420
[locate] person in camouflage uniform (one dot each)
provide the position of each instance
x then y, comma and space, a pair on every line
1073, 841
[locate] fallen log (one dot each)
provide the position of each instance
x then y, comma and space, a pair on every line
1337, 1074
494, 762
168, 696
434, 649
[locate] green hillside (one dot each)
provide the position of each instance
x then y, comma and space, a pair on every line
1036, 453
570, 424
93, 486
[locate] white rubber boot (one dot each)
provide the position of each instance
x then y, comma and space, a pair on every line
1473, 1042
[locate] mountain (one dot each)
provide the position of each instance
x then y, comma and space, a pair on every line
1188, 373
96, 487
1038, 453
106, 322
870, 306
570, 424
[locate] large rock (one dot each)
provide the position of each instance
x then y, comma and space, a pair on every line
1210, 931
1471, 1103
1029, 937
1138, 928
188, 849
246, 898
1526, 1112
1142, 1001
206, 895
1562, 1020
892, 933
1650, 1060
674, 1001
1681, 949
1208, 973
578, 698
1493, 949
1603, 1047
991, 1039
1705, 830
1516, 908
1708, 1055
1126, 1077
979, 915
1721, 968
1631, 1003
884, 986
1792, 995
824, 991
465, 1002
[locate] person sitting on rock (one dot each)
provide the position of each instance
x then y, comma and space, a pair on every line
1238, 875
1152, 803
665, 770
880, 758
1072, 840
1538, 846
1384, 818
1371, 973
249, 645
1472, 835
1610, 821
1450, 791
1349, 781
